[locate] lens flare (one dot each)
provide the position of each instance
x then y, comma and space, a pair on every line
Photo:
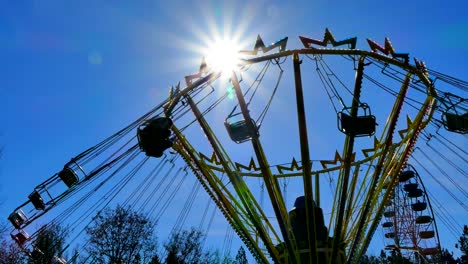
223, 56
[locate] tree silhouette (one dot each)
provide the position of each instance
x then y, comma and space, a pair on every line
48, 246
445, 257
121, 235
463, 245
11, 253
186, 247
241, 257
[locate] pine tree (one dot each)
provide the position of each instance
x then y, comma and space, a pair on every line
463, 245
241, 257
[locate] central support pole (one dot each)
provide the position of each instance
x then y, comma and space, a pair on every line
271, 182
306, 163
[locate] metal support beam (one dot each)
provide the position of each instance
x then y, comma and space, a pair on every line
349, 146
271, 182
306, 163
393, 118
237, 181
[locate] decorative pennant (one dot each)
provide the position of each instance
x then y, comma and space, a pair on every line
377, 145
388, 50
409, 124
260, 45
294, 166
252, 166
332, 162
421, 66
211, 160
328, 39
202, 70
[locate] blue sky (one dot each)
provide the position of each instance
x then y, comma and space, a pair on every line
74, 73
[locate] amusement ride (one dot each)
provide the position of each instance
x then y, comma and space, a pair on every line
342, 139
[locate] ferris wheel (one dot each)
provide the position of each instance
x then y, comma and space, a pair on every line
240, 134
409, 221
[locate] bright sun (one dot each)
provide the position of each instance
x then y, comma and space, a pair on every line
223, 56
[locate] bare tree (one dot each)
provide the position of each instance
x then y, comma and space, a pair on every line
121, 235
11, 253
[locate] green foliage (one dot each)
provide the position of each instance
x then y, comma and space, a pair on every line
121, 235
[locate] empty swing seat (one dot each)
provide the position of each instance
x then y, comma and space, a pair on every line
456, 123
17, 218
69, 177
357, 126
363, 124
36, 200
20, 238
239, 130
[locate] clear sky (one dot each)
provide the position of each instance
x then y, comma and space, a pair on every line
74, 72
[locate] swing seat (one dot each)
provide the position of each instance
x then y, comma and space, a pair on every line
20, 238
36, 200
17, 218
239, 130
153, 137
359, 126
456, 123
69, 177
